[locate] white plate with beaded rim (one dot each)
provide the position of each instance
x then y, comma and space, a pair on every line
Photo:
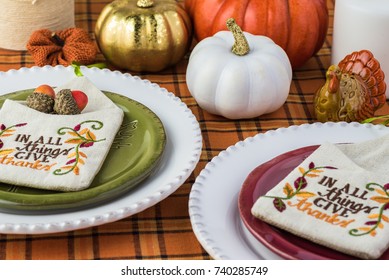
181, 155
213, 201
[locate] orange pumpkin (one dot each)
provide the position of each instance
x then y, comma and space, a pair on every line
298, 26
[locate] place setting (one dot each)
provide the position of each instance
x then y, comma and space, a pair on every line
142, 155
224, 193
272, 196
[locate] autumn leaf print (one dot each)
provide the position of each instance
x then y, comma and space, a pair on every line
81, 138
305, 194
6, 152
288, 190
375, 219
6, 132
299, 185
380, 199
279, 204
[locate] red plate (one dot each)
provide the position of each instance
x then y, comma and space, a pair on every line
289, 246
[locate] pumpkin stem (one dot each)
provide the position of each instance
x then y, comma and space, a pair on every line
241, 46
145, 3
57, 40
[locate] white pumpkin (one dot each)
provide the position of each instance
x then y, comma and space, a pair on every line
243, 85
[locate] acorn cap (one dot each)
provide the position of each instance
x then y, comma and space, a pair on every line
65, 104
40, 102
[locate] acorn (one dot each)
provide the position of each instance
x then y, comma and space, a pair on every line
69, 102
42, 99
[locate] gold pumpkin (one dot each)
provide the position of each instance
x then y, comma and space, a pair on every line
142, 35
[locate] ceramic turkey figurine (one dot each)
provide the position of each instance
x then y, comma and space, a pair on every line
353, 90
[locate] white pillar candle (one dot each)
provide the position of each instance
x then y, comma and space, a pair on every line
362, 24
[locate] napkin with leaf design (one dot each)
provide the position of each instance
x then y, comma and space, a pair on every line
57, 152
337, 197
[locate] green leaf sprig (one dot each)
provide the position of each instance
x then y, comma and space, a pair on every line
77, 67
384, 120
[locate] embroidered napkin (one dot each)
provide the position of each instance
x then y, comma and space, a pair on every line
57, 152
337, 197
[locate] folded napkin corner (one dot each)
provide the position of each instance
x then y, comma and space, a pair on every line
57, 152
335, 199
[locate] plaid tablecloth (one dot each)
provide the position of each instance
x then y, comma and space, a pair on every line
163, 231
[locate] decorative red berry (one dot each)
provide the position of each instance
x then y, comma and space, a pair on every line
81, 99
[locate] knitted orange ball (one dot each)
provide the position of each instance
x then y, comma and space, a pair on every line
62, 47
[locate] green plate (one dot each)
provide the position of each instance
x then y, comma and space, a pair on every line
133, 156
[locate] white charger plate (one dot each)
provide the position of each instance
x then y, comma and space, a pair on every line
181, 155
213, 201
